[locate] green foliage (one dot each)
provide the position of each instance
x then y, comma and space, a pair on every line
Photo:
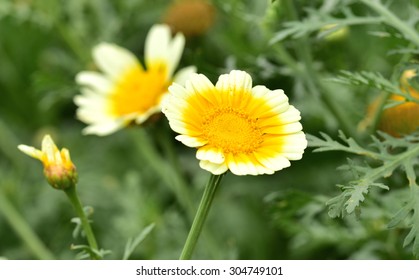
322, 18
371, 79
388, 154
310, 233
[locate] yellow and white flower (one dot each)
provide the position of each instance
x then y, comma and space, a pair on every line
236, 127
125, 92
59, 170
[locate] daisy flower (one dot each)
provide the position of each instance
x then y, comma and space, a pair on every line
58, 167
234, 126
125, 92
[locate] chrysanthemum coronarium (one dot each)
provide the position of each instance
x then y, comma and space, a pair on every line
234, 126
125, 92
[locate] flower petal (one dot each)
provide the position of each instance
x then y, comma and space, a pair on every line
94, 81
176, 47
214, 168
240, 164
104, 128
210, 154
190, 141
31, 151
161, 48
114, 60
199, 84
234, 82
274, 162
183, 74
49, 149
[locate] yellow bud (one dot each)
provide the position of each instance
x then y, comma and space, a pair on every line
334, 32
59, 170
190, 17
401, 119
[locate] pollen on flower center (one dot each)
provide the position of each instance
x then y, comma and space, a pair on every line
138, 90
232, 131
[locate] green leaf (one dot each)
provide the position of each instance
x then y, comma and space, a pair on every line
410, 171
401, 215
133, 243
86, 251
318, 20
366, 78
337, 205
403, 51
356, 197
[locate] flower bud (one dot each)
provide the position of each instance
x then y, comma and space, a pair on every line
190, 17
59, 170
401, 119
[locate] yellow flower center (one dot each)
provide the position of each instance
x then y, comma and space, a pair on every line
231, 131
138, 90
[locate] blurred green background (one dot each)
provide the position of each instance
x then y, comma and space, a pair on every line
45, 43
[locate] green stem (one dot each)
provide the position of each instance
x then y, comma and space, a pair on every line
170, 172
21, 227
74, 199
391, 164
200, 217
408, 31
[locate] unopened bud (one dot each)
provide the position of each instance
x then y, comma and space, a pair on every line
59, 170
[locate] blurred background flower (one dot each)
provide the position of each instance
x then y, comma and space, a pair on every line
191, 17
126, 92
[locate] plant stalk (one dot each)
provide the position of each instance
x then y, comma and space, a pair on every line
75, 201
200, 217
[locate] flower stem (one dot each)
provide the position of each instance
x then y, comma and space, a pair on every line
200, 217
21, 227
74, 199
169, 171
